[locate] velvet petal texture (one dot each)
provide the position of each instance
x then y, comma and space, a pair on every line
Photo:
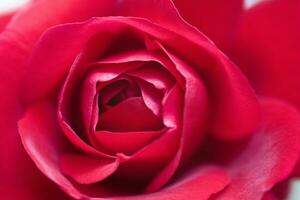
269, 157
268, 52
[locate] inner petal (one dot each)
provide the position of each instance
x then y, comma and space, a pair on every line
128, 116
151, 96
116, 92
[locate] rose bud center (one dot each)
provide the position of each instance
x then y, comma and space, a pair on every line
122, 108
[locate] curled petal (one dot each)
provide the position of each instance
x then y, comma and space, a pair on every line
156, 75
151, 96
44, 142
86, 169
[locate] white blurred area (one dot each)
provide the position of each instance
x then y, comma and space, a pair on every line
11, 5
294, 193
250, 3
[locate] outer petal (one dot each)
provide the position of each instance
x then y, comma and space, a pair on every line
198, 184
87, 169
46, 144
268, 48
216, 18
32, 21
269, 157
20, 179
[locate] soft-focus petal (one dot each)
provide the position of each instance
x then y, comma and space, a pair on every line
269, 157
215, 18
35, 19
267, 48
4, 20
269, 196
9, 10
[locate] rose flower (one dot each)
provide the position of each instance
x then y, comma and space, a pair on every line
149, 100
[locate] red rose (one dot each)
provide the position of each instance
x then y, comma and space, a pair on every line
127, 100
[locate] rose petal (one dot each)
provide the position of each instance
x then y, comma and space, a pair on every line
214, 18
95, 81
113, 66
151, 96
109, 90
193, 123
163, 13
230, 93
155, 74
269, 196
33, 20
80, 87
199, 184
20, 178
129, 115
4, 19
65, 43
148, 56
268, 52
126, 143
77, 141
44, 142
86, 169
269, 157
159, 152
